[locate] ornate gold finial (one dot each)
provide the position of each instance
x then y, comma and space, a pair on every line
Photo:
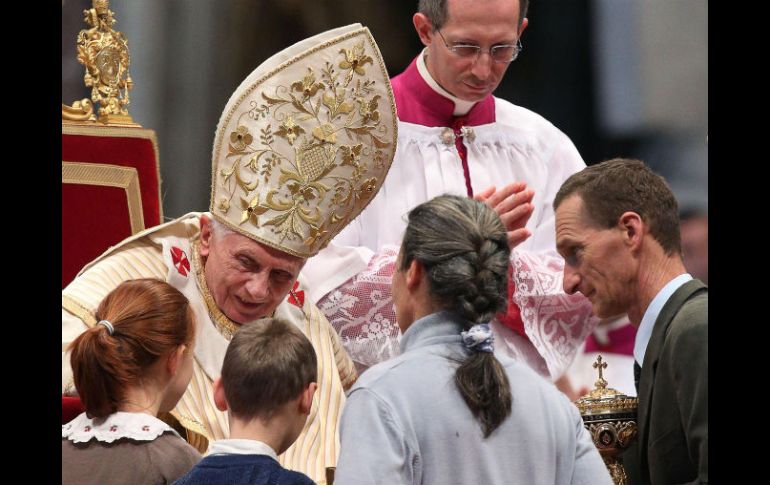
104, 53
610, 418
102, 7
601, 383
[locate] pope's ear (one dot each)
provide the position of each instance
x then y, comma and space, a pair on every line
207, 234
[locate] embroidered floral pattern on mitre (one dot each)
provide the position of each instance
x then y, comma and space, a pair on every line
134, 426
300, 154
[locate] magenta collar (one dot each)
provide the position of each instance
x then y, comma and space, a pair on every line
418, 103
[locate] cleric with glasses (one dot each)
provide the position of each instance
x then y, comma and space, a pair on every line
503, 53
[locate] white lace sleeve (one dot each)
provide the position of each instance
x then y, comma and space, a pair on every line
361, 311
557, 324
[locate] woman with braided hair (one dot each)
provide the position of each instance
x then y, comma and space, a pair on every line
448, 410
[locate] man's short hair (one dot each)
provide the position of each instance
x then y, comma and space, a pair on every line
267, 364
437, 11
610, 188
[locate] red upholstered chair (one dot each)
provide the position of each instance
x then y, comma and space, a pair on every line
110, 189
110, 171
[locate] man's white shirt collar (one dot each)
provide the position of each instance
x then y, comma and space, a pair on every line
651, 315
462, 107
241, 447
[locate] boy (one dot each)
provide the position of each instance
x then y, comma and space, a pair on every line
267, 384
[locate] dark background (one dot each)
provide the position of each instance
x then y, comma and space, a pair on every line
619, 77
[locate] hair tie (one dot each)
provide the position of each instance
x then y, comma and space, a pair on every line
479, 338
107, 324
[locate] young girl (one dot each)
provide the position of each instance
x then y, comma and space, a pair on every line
133, 364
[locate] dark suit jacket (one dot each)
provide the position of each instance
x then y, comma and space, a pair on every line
672, 445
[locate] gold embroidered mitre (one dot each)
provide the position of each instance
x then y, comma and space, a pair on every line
305, 142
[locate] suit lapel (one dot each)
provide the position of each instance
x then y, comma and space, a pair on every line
652, 354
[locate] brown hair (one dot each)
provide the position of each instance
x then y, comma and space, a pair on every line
610, 188
437, 11
463, 247
150, 319
267, 364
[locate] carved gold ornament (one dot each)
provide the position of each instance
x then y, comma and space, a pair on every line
305, 142
610, 418
104, 53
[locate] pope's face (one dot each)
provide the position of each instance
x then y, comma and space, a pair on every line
247, 280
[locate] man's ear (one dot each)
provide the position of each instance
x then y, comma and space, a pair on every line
306, 398
219, 395
414, 274
524, 24
206, 236
424, 28
633, 227
175, 359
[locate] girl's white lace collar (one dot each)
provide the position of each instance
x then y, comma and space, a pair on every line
135, 426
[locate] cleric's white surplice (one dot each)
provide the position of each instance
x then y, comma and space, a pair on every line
505, 143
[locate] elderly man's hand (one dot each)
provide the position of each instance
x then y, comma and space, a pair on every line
513, 203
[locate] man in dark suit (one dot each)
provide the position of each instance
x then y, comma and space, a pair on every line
617, 227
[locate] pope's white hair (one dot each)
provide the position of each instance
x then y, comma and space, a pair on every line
218, 230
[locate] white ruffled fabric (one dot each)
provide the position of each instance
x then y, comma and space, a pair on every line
135, 426
350, 278
556, 323
361, 311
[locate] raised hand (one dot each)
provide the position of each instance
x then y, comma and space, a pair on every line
513, 203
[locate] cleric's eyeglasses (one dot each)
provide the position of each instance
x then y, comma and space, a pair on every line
503, 53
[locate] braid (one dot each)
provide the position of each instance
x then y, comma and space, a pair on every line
463, 246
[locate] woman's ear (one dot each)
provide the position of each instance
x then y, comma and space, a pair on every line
175, 359
414, 274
